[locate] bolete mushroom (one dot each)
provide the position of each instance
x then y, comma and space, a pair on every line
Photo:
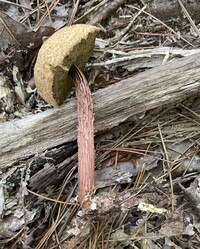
58, 66
66, 47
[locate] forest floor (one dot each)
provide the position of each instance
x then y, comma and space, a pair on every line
147, 168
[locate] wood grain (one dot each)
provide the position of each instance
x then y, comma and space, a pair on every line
171, 82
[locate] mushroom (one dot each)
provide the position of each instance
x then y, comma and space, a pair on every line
58, 66
66, 47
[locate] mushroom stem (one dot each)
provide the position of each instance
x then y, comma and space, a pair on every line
85, 139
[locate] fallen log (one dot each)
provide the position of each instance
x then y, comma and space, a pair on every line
169, 83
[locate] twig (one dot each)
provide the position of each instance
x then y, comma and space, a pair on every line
169, 167
189, 18
165, 25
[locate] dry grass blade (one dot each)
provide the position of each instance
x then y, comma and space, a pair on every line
79, 20
73, 14
46, 13
108, 9
50, 199
189, 18
169, 167
139, 177
63, 213
165, 25
193, 112
132, 21
11, 33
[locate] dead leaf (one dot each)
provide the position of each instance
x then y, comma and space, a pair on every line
16, 41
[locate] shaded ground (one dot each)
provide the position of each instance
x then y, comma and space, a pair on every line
147, 169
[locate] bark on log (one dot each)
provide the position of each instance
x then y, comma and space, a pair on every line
165, 84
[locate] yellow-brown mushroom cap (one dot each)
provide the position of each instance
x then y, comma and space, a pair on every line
68, 46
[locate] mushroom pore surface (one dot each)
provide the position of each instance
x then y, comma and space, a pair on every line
68, 46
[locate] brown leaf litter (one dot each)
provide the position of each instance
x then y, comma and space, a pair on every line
147, 168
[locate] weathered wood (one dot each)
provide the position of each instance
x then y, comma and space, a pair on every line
168, 83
